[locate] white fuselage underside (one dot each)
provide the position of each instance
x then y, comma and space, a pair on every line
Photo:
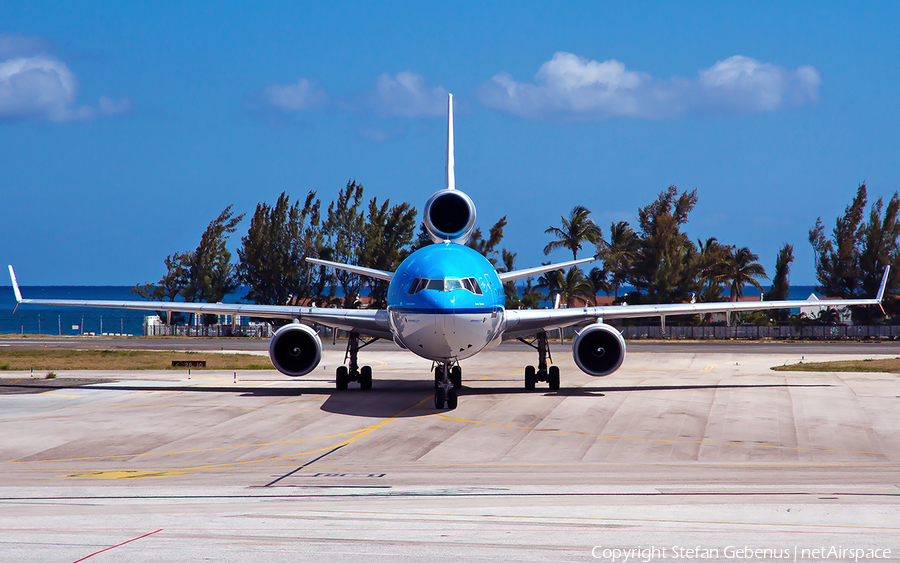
442, 337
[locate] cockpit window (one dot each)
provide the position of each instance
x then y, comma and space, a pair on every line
451, 284
418, 285
446, 284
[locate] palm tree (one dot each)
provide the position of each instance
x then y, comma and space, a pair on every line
512, 292
549, 281
599, 283
710, 266
741, 268
574, 286
531, 297
576, 230
619, 254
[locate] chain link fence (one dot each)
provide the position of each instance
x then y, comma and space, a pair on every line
862, 332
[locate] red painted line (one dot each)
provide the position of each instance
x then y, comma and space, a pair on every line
118, 545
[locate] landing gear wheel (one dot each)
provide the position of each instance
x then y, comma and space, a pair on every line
365, 378
530, 377
439, 398
456, 377
452, 399
553, 378
341, 377
438, 376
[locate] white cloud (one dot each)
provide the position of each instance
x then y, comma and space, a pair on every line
40, 86
406, 95
744, 84
573, 87
403, 96
305, 94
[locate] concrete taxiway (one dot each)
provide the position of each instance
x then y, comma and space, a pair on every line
688, 453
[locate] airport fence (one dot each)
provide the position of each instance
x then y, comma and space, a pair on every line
127, 325
211, 331
861, 332
781, 332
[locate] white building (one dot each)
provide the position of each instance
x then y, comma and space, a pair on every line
813, 311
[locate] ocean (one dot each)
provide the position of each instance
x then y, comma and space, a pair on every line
33, 319
39, 319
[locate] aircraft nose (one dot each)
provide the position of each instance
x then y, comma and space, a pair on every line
437, 300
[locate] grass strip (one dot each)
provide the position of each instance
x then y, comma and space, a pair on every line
26, 359
889, 365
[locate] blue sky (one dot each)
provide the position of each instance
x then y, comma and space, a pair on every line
126, 127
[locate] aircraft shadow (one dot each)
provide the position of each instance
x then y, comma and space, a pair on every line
387, 398
602, 391
243, 391
396, 398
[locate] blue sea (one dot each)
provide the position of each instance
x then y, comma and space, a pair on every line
33, 319
38, 319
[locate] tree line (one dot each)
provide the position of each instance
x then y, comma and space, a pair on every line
655, 257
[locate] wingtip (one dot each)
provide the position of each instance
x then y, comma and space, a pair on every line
12, 276
883, 286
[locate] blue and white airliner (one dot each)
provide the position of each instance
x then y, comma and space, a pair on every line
445, 303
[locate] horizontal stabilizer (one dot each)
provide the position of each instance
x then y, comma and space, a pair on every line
370, 272
518, 274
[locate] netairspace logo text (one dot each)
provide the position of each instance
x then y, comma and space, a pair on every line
795, 553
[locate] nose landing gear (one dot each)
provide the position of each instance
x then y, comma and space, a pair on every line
447, 380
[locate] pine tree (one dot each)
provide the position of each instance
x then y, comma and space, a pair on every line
851, 262
664, 264
389, 235
780, 289
272, 254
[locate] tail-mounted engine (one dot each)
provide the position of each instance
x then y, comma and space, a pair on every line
599, 349
450, 215
295, 350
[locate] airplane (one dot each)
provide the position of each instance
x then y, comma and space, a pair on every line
446, 303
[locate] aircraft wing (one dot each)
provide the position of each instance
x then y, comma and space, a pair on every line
521, 323
369, 322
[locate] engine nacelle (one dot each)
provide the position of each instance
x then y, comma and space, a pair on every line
599, 349
295, 349
450, 215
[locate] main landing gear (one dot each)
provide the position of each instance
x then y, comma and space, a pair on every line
447, 379
345, 375
542, 373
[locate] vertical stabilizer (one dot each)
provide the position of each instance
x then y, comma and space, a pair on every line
451, 175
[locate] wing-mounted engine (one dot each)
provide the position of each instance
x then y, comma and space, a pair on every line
450, 215
599, 349
295, 350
